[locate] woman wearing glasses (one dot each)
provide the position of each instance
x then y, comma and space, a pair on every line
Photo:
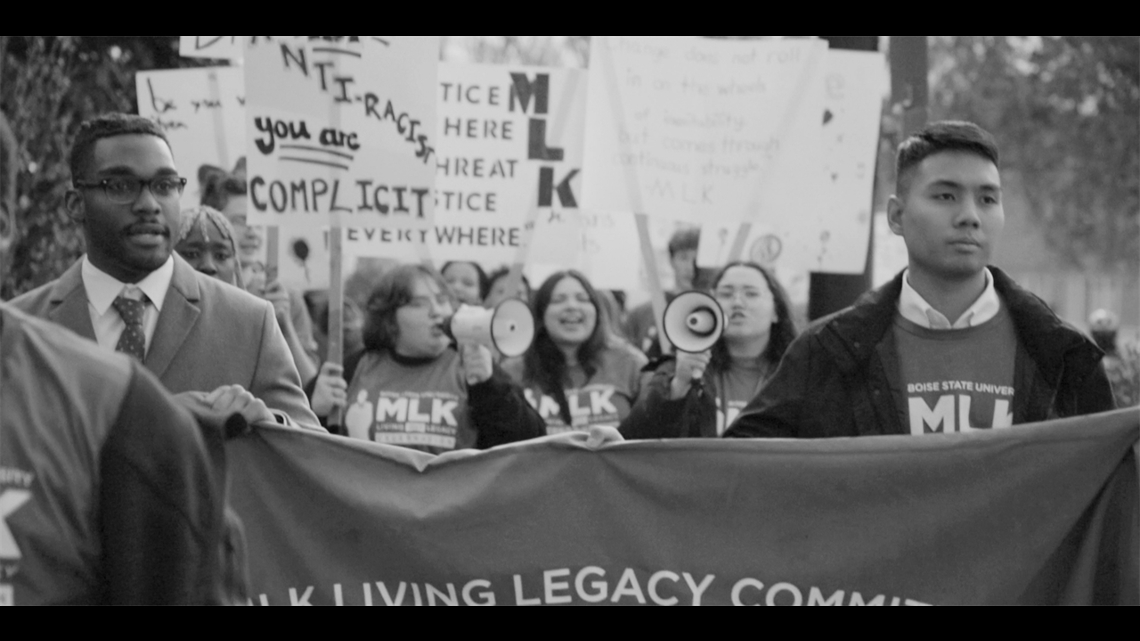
680, 402
411, 388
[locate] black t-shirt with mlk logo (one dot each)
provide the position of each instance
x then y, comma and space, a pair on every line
605, 399
958, 381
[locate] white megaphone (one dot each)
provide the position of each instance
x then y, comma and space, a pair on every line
509, 328
694, 322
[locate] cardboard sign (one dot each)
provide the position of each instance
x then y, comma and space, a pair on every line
834, 239
219, 47
343, 126
510, 144
202, 112
601, 245
706, 131
857, 83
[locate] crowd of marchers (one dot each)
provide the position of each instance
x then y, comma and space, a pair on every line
169, 336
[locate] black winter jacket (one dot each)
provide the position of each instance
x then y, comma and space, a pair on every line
841, 378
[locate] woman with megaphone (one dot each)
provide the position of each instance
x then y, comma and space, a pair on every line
578, 375
414, 387
728, 346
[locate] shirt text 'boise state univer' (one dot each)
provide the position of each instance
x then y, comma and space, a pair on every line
958, 381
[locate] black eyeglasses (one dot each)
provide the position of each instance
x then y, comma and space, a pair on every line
124, 191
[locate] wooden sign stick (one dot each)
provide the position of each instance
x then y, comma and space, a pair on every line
656, 291
336, 281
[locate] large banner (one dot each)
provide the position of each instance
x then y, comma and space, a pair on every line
1045, 514
345, 125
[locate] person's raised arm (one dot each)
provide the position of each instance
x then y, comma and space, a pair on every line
498, 408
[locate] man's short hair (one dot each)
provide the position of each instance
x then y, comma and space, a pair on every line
685, 240
108, 126
941, 137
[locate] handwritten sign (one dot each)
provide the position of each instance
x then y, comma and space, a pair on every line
601, 245
701, 130
834, 239
510, 144
856, 86
219, 47
202, 112
343, 125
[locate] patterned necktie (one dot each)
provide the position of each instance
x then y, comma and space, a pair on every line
133, 340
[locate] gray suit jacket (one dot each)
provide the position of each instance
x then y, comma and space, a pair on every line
209, 335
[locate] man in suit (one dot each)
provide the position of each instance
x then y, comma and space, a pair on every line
131, 293
136, 517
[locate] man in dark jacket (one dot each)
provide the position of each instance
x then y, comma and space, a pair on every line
951, 345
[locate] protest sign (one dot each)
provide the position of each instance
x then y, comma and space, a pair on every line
220, 47
343, 126
857, 84
202, 112
827, 239
510, 144
1033, 515
706, 131
214, 47
598, 244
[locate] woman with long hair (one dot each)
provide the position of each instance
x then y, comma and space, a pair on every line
412, 388
577, 374
700, 395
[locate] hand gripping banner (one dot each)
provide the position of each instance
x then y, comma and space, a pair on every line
1045, 514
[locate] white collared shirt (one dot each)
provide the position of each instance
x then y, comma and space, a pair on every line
914, 308
103, 289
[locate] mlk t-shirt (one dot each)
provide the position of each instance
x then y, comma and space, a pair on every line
958, 381
604, 399
420, 405
736, 388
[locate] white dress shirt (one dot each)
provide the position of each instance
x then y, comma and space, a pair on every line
103, 289
914, 308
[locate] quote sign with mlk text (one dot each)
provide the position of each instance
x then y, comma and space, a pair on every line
344, 125
686, 128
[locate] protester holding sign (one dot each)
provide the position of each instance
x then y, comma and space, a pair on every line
577, 375
951, 345
679, 402
412, 388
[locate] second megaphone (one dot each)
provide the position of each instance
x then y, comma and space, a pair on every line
694, 322
509, 328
